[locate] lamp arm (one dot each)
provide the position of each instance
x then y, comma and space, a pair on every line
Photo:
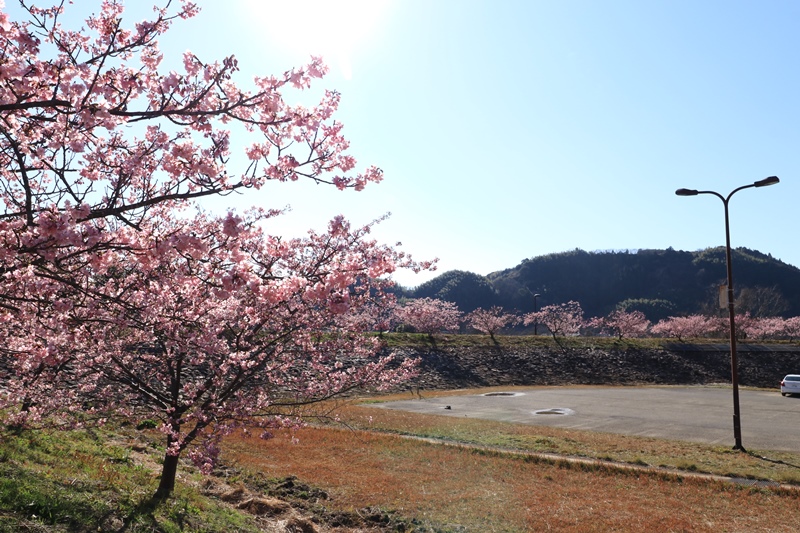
734, 191
718, 195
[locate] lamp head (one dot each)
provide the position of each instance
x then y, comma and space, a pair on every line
686, 192
772, 180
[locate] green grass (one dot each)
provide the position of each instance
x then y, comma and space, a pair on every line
442, 341
89, 481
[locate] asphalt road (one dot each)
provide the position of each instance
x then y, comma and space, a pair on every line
769, 421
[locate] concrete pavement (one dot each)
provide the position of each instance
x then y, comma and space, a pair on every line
697, 414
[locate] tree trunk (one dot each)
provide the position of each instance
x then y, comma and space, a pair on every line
168, 472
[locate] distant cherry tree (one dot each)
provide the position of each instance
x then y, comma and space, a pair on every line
379, 315
429, 315
761, 328
621, 324
792, 328
747, 326
560, 319
492, 320
684, 327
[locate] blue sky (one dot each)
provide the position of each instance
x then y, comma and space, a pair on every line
512, 129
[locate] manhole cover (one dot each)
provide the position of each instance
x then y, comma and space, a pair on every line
555, 411
503, 394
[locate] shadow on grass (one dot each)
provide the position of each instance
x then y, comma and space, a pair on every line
142, 514
27, 496
773, 461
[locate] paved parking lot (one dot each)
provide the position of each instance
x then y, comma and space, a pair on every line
699, 414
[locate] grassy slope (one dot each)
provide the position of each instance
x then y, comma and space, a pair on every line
103, 480
98, 481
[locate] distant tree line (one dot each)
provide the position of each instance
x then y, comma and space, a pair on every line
431, 315
657, 283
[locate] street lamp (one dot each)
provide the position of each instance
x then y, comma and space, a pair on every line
772, 180
536, 322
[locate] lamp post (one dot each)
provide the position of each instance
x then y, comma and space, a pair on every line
535, 323
772, 180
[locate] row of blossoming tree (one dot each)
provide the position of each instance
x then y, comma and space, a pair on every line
433, 316
117, 296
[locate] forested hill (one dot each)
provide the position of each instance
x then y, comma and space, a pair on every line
658, 282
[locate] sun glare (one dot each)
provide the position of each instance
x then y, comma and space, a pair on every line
333, 29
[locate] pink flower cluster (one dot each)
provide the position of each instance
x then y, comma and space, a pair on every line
205, 324
429, 315
492, 320
560, 319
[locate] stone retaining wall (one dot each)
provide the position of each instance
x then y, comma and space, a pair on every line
452, 367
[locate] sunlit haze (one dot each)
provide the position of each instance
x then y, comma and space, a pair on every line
333, 30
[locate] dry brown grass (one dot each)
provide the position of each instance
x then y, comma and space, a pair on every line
783, 467
488, 491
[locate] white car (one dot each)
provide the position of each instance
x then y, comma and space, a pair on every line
790, 384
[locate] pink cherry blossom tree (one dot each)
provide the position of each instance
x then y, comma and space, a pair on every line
216, 327
377, 316
747, 326
683, 327
761, 328
111, 301
429, 315
792, 328
560, 319
621, 324
492, 320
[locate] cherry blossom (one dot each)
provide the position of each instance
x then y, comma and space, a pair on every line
560, 319
206, 329
429, 315
491, 321
761, 328
683, 327
792, 328
95, 134
621, 324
